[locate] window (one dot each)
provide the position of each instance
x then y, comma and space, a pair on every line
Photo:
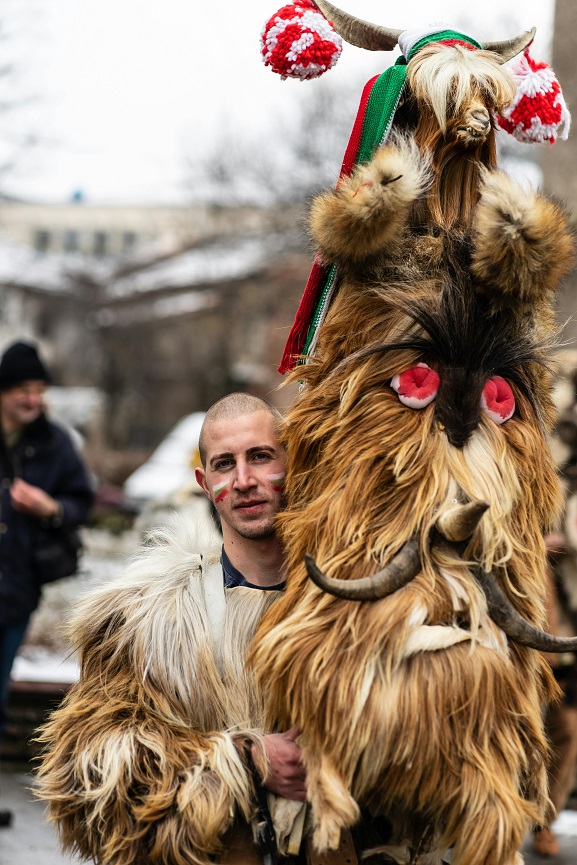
71, 241
100, 243
42, 240
128, 241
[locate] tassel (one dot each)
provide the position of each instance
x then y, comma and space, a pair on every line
538, 112
299, 42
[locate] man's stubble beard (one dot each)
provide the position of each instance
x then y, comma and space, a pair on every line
256, 534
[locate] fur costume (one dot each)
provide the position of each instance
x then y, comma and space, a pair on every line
444, 92
419, 705
420, 478
140, 761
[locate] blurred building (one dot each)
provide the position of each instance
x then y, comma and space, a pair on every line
119, 231
160, 310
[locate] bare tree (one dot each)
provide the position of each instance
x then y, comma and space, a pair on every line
16, 135
297, 158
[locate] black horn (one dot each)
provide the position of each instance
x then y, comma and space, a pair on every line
513, 624
399, 571
357, 32
460, 521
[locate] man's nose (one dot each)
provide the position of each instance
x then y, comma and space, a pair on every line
33, 400
243, 476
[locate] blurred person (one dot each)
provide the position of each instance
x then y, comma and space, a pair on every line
561, 718
44, 486
158, 753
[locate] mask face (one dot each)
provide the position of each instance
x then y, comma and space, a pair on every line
427, 401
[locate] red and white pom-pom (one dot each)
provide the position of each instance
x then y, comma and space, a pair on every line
416, 387
498, 400
538, 110
299, 42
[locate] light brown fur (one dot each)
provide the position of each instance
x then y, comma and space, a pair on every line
445, 738
446, 88
522, 246
134, 768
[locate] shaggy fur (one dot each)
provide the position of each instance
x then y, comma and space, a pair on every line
133, 768
417, 704
451, 93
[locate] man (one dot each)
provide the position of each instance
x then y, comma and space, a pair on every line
158, 754
43, 483
243, 476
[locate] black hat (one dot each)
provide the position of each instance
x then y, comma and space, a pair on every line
21, 362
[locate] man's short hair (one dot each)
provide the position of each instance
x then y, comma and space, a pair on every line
234, 405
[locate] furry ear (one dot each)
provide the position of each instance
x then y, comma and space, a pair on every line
523, 244
368, 211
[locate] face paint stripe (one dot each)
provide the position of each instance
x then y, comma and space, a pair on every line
277, 481
220, 491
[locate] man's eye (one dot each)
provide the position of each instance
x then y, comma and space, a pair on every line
259, 457
223, 464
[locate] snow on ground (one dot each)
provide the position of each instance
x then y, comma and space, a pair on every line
171, 466
566, 824
46, 654
41, 665
232, 259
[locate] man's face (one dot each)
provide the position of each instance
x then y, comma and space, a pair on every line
244, 474
22, 404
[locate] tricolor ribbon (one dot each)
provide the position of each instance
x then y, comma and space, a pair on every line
373, 122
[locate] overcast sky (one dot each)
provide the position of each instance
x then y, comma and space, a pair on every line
124, 91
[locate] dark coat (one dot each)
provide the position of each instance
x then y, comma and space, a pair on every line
44, 457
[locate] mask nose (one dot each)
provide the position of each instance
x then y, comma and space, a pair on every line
458, 406
481, 115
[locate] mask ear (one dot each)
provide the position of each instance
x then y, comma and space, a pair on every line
416, 387
498, 399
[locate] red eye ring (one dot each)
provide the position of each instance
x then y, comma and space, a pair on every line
416, 387
498, 399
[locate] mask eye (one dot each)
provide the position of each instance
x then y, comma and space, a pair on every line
416, 387
498, 400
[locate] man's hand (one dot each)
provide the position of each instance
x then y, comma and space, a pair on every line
286, 776
556, 547
32, 500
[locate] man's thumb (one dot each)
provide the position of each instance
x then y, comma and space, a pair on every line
293, 733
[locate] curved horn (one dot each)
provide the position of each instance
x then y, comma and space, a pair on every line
399, 571
357, 32
459, 522
511, 47
514, 625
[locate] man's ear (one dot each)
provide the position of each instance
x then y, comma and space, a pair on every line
201, 480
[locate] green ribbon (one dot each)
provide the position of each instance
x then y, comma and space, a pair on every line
379, 115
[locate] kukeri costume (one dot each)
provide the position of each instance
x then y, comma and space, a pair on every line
144, 761
419, 479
